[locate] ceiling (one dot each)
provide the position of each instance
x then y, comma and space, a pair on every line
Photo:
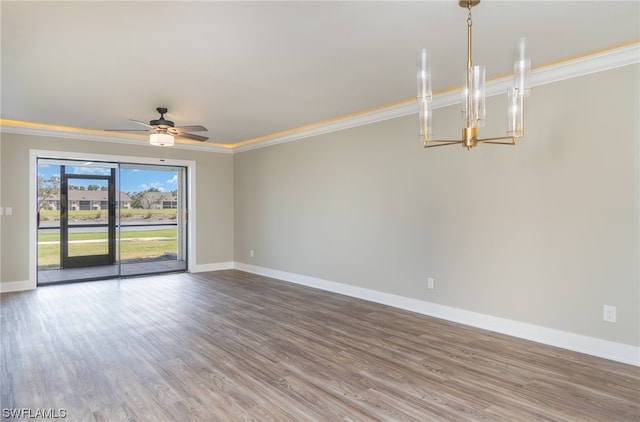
246, 70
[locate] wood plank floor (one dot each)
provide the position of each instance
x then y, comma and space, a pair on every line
231, 346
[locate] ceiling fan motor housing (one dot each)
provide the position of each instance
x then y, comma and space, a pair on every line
161, 122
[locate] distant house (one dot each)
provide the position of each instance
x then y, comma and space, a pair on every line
86, 200
160, 200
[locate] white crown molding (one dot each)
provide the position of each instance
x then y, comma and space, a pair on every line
98, 137
597, 62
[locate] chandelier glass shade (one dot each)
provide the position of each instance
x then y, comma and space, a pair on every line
473, 96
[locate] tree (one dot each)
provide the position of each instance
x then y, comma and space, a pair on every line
93, 187
145, 198
48, 189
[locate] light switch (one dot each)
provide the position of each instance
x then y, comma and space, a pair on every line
9, 210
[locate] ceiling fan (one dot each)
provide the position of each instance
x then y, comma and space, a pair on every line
162, 129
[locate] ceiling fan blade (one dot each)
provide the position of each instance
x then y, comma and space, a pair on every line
196, 128
141, 123
127, 130
191, 136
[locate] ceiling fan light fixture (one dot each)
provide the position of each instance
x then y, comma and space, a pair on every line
161, 139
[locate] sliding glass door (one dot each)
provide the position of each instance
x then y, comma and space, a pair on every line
102, 220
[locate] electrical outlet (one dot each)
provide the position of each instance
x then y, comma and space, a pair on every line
609, 313
431, 283
251, 254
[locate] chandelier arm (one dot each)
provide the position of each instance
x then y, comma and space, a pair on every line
498, 138
501, 143
496, 141
440, 143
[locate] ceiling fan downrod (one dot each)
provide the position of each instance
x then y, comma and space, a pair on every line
162, 121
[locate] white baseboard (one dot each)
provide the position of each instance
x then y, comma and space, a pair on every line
576, 342
16, 286
217, 266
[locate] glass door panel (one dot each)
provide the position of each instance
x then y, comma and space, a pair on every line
153, 228
77, 205
48, 217
87, 216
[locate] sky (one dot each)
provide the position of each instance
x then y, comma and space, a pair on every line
131, 180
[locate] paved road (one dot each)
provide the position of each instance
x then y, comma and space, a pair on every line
133, 239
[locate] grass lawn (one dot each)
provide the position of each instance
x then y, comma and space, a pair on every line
55, 236
49, 254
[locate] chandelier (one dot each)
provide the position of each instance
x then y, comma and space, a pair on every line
473, 96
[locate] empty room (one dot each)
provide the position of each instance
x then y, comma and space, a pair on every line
320, 210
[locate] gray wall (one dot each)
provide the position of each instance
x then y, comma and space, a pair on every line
214, 196
544, 233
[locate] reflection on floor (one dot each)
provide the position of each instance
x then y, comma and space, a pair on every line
109, 271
